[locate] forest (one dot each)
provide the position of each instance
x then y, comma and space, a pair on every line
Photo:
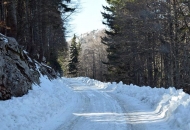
146, 42
38, 26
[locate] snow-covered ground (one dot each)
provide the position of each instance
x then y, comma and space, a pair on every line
86, 104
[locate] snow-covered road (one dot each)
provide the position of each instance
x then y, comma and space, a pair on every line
94, 110
86, 104
100, 109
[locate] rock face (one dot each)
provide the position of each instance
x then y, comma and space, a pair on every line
17, 70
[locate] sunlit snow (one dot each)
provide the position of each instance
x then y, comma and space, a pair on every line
86, 104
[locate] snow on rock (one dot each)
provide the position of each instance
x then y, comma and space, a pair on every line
17, 70
3, 38
14, 66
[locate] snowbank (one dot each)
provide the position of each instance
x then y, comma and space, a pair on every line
38, 109
174, 104
47, 106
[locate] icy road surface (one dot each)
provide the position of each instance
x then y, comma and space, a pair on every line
97, 108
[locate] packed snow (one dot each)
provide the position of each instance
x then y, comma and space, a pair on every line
86, 104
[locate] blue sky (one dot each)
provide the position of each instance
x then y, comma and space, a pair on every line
88, 18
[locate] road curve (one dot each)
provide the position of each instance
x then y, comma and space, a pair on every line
96, 109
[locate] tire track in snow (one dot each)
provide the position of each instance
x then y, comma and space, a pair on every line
97, 110
125, 107
70, 124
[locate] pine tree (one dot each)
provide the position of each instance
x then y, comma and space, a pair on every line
39, 26
74, 53
114, 60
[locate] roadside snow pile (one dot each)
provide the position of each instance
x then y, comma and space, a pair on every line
97, 83
173, 104
49, 105
39, 108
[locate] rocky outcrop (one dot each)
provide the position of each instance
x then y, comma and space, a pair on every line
17, 70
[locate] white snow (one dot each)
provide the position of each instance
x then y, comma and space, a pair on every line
86, 104
3, 38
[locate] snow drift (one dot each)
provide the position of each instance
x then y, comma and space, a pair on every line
46, 106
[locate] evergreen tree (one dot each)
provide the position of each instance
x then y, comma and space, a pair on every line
148, 42
113, 47
38, 25
74, 53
